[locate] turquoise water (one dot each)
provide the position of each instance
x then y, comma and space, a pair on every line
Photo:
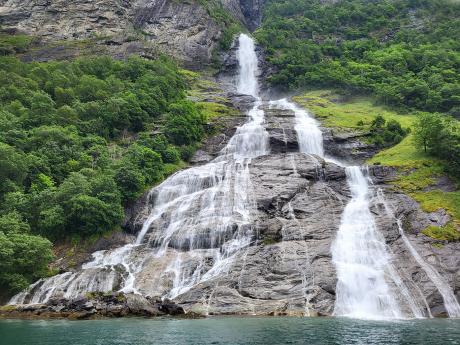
229, 331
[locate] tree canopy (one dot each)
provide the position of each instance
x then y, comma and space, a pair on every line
407, 53
78, 141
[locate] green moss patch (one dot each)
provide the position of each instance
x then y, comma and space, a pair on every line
445, 233
417, 172
356, 113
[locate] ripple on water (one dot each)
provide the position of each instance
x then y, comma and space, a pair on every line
231, 331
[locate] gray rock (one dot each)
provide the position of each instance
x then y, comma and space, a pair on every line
139, 305
184, 29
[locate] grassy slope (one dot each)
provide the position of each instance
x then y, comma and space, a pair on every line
418, 173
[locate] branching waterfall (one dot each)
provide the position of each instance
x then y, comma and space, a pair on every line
200, 222
200, 219
359, 252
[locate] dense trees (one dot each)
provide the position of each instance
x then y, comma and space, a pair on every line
76, 144
439, 136
405, 52
385, 134
23, 257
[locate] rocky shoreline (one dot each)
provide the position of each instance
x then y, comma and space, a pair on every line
96, 305
300, 199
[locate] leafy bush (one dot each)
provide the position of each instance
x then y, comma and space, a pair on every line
439, 135
385, 134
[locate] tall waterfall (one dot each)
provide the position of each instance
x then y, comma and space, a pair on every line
361, 258
199, 222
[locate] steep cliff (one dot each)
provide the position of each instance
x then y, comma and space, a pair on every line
248, 229
188, 30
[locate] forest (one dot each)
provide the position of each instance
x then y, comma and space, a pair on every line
406, 54
79, 140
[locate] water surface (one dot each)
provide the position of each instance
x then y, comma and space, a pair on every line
229, 331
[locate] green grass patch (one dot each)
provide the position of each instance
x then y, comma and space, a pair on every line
435, 199
13, 44
420, 178
444, 233
357, 113
211, 110
417, 170
404, 155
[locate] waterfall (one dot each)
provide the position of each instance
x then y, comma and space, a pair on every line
360, 256
199, 223
450, 301
309, 135
248, 64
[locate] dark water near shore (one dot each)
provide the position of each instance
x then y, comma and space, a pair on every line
229, 331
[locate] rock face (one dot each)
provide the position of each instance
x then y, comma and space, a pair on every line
287, 268
183, 29
252, 11
95, 305
349, 147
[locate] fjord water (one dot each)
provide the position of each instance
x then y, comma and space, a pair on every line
231, 331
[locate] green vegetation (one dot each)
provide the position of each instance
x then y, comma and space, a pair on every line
23, 257
404, 52
347, 113
385, 133
440, 137
78, 141
230, 25
419, 171
445, 233
12, 44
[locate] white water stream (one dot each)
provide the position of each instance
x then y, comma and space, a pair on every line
200, 222
361, 259
309, 135
450, 301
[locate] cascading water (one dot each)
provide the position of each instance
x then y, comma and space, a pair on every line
309, 135
200, 220
450, 301
361, 259
359, 251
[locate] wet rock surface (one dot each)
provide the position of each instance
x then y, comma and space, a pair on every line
287, 269
350, 147
95, 305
